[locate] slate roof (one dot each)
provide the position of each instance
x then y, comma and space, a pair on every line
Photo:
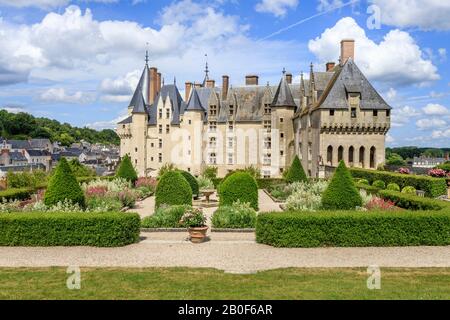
24, 167
17, 156
178, 105
283, 96
19, 144
38, 153
40, 143
127, 120
139, 102
194, 103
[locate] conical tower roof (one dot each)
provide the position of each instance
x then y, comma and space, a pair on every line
194, 103
140, 96
283, 96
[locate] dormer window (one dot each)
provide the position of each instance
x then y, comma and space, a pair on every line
160, 113
167, 113
353, 111
388, 113
231, 110
267, 109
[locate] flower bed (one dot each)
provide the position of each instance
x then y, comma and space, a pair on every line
69, 229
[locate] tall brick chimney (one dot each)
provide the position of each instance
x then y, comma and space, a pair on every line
210, 83
347, 50
187, 91
289, 78
153, 84
225, 85
251, 80
330, 66
158, 82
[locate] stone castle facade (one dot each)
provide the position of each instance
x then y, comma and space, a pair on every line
334, 115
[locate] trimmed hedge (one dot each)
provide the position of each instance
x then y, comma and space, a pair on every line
63, 186
411, 201
16, 194
433, 187
296, 172
262, 183
354, 229
341, 193
192, 182
173, 189
69, 229
239, 186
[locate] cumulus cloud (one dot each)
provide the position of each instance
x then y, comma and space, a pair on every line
428, 123
435, 109
59, 95
108, 124
46, 4
278, 8
119, 89
403, 115
397, 59
425, 14
438, 134
329, 4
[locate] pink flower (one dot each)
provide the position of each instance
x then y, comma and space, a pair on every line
99, 191
380, 204
439, 173
146, 182
404, 171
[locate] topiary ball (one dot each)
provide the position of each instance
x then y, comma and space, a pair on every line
192, 182
63, 186
239, 186
393, 187
173, 189
379, 184
409, 190
341, 193
363, 181
126, 170
296, 172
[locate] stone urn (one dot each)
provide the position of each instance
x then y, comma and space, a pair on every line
197, 234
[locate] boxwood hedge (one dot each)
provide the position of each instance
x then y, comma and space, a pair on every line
16, 194
433, 187
354, 229
173, 189
411, 201
239, 186
69, 229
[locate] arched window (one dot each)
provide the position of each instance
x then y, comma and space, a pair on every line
362, 150
340, 153
372, 157
351, 152
330, 155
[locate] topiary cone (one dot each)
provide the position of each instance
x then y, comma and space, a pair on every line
296, 172
63, 186
341, 193
126, 170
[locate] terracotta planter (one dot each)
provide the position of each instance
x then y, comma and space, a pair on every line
197, 234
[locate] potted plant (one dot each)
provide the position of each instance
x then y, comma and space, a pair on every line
195, 220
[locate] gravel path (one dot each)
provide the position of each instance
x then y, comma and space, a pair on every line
232, 252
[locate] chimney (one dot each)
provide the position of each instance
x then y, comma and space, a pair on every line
330, 66
187, 91
210, 83
289, 78
347, 50
158, 82
153, 84
251, 80
225, 84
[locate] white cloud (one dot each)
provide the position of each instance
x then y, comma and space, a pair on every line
59, 95
278, 8
428, 123
325, 5
397, 59
45, 4
403, 115
391, 94
435, 109
437, 134
119, 89
14, 109
111, 124
389, 138
442, 53
425, 14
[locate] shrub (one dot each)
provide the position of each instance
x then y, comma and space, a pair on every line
80, 170
433, 187
63, 186
379, 184
205, 183
341, 193
268, 182
102, 204
238, 215
210, 172
393, 187
239, 186
363, 181
165, 217
173, 189
69, 229
353, 229
126, 170
306, 196
192, 182
128, 198
412, 202
26, 179
380, 204
445, 166
166, 168
409, 190
16, 194
296, 172
192, 218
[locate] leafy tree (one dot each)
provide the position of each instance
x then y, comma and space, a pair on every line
80, 170
126, 170
296, 172
395, 159
341, 193
63, 186
210, 172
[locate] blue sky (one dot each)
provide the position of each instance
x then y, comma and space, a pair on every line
78, 61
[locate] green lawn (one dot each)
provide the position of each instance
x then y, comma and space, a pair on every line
186, 283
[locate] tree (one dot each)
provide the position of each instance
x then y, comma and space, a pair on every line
296, 172
210, 172
341, 193
126, 170
395, 159
80, 170
63, 186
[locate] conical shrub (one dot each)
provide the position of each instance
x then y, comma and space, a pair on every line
296, 172
126, 170
341, 193
63, 186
